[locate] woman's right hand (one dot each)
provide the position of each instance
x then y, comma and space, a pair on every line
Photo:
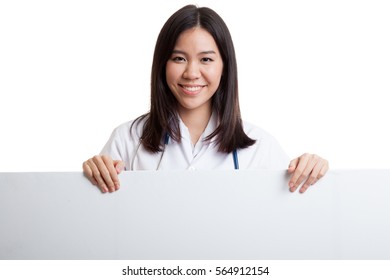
103, 172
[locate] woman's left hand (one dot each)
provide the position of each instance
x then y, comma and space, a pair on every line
307, 168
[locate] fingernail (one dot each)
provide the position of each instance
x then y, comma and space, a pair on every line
117, 186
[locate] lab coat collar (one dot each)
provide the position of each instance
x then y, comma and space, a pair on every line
210, 128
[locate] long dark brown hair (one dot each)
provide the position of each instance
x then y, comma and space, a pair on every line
162, 119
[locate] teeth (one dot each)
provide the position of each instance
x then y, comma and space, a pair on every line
192, 88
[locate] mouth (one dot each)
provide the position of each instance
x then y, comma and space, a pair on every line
191, 89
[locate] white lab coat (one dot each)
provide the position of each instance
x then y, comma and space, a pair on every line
266, 153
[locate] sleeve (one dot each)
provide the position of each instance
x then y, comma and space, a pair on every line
114, 147
276, 157
266, 153
122, 144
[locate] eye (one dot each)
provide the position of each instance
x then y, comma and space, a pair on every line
207, 59
178, 59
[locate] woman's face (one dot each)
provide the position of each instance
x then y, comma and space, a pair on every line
194, 71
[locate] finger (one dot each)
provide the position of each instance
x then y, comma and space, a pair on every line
113, 172
318, 172
305, 174
313, 178
119, 166
311, 161
293, 165
106, 170
88, 173
323, 170
298, 170
97, 176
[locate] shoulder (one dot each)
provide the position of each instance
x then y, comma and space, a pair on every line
130, 129
123, 141
257, 133
125, 135
266, 152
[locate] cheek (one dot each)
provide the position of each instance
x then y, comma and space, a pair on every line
173, 72
171, 76
214, 76
168, 73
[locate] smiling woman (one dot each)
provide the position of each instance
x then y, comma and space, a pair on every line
194, 120
193, 76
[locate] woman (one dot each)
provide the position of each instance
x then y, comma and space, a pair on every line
194, 120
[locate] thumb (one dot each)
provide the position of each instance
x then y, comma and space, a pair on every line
293, 164
119, 166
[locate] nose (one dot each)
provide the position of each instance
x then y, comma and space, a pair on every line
192, 71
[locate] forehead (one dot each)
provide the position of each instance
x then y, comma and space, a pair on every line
196, 37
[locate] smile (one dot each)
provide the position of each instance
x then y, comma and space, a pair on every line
191, 89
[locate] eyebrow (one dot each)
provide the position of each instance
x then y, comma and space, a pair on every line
183, 52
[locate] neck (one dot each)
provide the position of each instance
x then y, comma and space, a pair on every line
196, 122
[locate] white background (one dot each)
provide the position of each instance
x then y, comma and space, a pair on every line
315, 74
